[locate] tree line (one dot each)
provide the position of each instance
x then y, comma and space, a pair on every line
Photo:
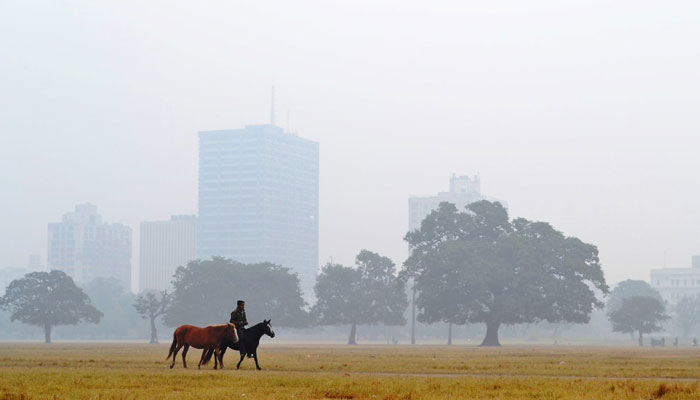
465, 267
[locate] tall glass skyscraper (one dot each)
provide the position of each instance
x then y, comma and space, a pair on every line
258, 198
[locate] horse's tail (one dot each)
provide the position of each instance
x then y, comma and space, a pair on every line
172, 347
207, 356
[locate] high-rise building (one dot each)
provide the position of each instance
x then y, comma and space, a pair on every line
86, 248
164, 246
258, 198
34, 263
463, 191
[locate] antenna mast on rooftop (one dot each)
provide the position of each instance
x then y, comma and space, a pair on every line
272, 107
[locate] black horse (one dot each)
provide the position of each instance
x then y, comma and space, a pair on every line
248, 341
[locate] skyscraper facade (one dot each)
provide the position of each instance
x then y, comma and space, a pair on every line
164, 246
258, 198
463, 191
86, 248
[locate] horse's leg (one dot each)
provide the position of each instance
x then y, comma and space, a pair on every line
221, 356
240, 361
204, 353
255, 357
175, 355
184, 354
217, 354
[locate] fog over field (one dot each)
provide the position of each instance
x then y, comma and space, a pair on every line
583, 114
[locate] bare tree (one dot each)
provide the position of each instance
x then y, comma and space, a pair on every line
148, 305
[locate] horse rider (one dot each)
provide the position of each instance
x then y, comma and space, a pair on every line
238, 317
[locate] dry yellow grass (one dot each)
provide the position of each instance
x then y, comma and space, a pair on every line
139, 371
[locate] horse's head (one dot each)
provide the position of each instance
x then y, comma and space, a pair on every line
267, 328
233, 332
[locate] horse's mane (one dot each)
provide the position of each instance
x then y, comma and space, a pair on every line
258, 325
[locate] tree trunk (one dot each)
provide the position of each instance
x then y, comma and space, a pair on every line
351, 339
449, 334
641, 342
47, 333
491, 338
413, 315
154, 332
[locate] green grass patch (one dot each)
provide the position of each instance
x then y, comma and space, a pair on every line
139, 371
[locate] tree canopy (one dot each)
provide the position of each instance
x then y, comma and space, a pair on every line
638, 314
48, 299
114, 301
630, 288
368, 294
205, 293
687, 315
478, 266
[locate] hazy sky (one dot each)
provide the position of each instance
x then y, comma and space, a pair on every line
585, 114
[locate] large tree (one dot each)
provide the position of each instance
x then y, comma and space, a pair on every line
150, 305
630, 288
478, 266
638, 314
368, 294
48, 299
626, 289
205, 293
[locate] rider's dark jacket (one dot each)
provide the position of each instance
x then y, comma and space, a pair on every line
238, 318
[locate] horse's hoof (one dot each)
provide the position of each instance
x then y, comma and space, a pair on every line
259, 369
171, 367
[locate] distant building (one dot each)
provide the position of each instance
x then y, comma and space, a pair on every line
7, 275
675, 283
164, 246
34, 263
464, 190
258, 198
86, 248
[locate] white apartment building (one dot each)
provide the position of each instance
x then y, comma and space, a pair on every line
675, 283
464, 190
86, 248
164, 246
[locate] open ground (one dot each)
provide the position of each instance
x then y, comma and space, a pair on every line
139, 371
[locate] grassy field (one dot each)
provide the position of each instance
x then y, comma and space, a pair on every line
139, 371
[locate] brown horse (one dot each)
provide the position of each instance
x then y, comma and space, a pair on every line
210, 337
